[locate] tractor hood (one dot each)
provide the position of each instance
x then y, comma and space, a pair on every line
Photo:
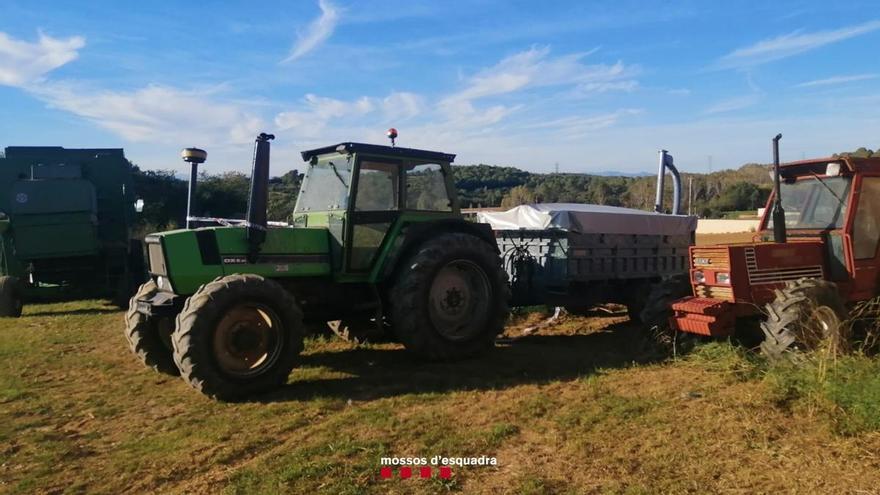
180, 260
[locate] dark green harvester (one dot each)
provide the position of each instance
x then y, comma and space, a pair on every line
65, 225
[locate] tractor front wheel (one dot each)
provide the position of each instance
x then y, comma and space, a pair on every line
450, 299
11, 302
656, 313
238, 336
807, 314
149, 338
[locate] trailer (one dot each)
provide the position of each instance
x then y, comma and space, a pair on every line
578, 256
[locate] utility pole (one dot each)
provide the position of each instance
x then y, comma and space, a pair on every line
556, 167
710, 163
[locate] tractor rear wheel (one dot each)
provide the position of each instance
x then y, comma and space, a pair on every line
11, 302
807, 314
149, 338
450, 300
237, 336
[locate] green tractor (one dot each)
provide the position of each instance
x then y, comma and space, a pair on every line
377, 245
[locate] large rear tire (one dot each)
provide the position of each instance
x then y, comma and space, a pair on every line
149, 338
449, 301
11, 302
238, 336
807, 314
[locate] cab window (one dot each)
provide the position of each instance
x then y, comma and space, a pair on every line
377, 187
866, 231
426, 188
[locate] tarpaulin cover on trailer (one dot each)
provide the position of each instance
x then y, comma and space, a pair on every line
588, 219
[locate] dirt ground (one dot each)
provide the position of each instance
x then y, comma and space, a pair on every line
576, 407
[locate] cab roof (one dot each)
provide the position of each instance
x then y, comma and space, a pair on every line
817, 165
376, 149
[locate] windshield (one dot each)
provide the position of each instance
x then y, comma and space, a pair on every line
325, 186
814, 203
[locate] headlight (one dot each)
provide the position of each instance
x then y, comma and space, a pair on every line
699, 277
722, 278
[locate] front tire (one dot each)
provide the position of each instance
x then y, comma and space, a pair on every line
656, 313
806, 314
11, 302
450, 300
150, 338
237, 336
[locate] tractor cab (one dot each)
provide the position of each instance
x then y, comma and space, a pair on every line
360, 192
831, 231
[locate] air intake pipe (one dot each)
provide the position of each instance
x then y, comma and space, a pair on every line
779, 233
258, 198
666, 163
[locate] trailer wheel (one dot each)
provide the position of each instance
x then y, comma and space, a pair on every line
807, 314
150, 338
11, 302
237, 336
450, 299
657, 311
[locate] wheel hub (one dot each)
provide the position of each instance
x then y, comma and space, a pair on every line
248, 339
459, 300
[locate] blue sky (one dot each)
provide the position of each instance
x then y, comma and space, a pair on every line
592, 86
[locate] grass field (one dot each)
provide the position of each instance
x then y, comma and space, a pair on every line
578, 407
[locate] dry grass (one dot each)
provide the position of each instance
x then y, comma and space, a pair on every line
576, 408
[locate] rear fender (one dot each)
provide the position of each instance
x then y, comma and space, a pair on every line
415, 234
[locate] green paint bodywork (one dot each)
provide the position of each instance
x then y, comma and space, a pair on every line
317, 243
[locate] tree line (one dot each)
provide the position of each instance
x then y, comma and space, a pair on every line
225, 195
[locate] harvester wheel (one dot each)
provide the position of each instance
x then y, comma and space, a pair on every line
149, 338
450, 300
657, 311
807, 314
359, 331
11, 301
237, 336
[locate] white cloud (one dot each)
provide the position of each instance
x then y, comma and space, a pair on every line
534, 68
790, 44
23, 63
317, 32
159, 114
731, 104
837, 80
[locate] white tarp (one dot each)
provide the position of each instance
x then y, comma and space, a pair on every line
588, 219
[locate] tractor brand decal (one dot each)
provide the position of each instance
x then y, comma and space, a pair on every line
282, 262
21, 198
760, 276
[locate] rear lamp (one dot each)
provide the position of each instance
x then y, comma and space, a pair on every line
722, 278
699, 277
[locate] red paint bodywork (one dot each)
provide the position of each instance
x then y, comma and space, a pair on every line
757, 269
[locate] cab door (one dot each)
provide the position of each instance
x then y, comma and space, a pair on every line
373, 210
866, 238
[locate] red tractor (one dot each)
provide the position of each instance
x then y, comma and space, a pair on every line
815, 256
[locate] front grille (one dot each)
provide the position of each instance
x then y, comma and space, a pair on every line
157, 259
760, 276
711, 257
723, 293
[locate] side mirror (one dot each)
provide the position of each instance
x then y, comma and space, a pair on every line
139, 206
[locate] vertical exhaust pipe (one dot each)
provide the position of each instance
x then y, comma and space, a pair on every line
779, 233
666, 162
258, 198
193, 156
